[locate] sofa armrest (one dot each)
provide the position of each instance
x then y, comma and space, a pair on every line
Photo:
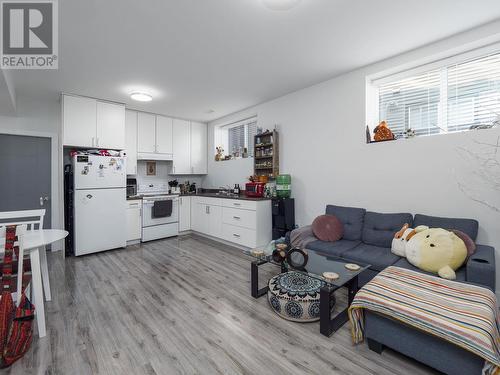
480, 268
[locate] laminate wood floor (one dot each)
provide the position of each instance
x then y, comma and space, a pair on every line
182, 306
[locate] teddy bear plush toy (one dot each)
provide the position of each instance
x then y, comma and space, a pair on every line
436, 250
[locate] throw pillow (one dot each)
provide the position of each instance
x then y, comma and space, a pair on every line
469, 243
328, 228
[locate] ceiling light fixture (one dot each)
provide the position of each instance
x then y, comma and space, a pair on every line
141, 96
280, 4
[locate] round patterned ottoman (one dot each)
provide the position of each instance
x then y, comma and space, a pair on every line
295, 296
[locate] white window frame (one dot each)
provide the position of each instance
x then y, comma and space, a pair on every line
430, 63
221, 134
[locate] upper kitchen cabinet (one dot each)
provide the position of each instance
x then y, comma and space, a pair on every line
164, 135
110, 125
79, 121
146, 133
154, 137
89, 122
182, 147
131, 141
190, 147
198, 148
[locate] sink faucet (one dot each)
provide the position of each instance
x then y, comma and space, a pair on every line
225, 189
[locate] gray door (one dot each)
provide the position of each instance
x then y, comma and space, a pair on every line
25, 174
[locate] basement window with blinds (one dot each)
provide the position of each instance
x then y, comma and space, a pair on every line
450, 98
237, 138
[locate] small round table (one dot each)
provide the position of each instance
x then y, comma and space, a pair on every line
33, 241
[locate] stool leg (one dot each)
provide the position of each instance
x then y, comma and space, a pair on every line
38, 292
45, 273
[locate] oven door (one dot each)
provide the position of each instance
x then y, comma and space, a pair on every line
148, 218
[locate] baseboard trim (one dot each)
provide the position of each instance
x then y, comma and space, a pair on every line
216, 239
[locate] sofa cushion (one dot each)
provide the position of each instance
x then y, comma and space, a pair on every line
379, 229
351, 217
468, 226
403, 263
378, 257
336, 248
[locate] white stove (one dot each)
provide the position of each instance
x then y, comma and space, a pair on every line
159, 219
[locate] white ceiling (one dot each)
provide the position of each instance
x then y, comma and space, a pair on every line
226, 55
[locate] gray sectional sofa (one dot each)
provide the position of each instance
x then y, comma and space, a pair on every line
367, 239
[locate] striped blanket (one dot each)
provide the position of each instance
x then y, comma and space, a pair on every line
462, 314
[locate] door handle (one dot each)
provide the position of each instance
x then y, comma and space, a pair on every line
89, 196
236, 217
236, 235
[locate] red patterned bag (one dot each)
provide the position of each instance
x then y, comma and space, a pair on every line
16, 323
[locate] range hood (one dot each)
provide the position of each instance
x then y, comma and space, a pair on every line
154, 156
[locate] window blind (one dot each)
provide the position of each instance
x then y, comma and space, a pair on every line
474, 93
242, 135
452, 98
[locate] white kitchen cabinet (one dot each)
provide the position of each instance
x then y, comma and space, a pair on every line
181, 147
215, 221
79, 121
134, 222
131, 141
243, 222
146, 132
184, 214
90, 122
206, 216
110, 126
164, 134
199, 216
198, 148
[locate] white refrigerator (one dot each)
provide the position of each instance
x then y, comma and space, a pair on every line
100, 200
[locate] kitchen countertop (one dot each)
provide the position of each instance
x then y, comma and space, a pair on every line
217, 195
209, 195
135, 198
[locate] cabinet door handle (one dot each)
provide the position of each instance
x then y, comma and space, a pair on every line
236, 235
236, 204
237, 217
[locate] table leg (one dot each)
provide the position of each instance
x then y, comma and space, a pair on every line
254, 279
45, 273
36, 281
327, 325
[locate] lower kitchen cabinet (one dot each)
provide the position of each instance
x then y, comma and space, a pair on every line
134, 220
206, 216
184, 214
245, 223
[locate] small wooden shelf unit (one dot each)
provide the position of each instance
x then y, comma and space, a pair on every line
266, 154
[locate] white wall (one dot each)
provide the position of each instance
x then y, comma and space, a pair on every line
322, 145
40, 118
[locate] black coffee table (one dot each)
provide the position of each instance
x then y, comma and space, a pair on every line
316, 265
